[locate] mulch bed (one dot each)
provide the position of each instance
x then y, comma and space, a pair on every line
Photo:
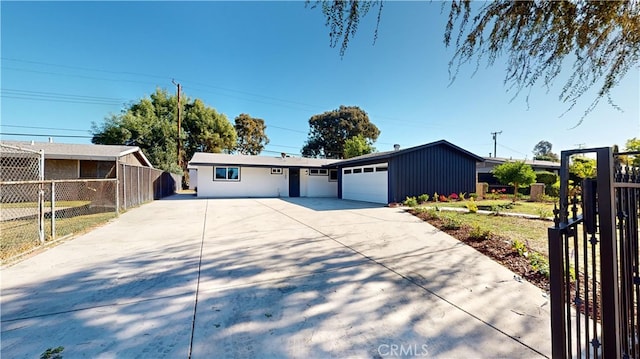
498, 248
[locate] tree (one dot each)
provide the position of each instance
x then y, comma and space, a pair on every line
251, 134
583, 167
205, 130
633, 144
542, 152
151, 125
329, 131
357, 146
517, 174
602, 38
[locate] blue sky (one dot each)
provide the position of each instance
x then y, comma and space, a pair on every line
65, 65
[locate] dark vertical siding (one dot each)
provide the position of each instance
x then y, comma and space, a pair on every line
433, 169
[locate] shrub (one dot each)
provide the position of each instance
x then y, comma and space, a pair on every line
52, 353
423, 198
521, 248
443, 198
473, 195
539, 263
479, 233
543, 212
410, 202
451, 223
546, 177
462, 195
454, 197
433, 213
472, 206
493, 195
553, 190
435, 196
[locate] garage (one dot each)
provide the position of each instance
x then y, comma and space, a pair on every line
368, 183
392, 176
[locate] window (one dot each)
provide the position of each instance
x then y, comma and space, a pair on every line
347, 172
226, 174
276, 171
318, 172
333, 175
381, 169
368, 169
357, 170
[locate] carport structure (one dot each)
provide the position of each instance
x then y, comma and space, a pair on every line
269, 278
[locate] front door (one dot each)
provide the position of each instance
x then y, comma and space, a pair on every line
294, 182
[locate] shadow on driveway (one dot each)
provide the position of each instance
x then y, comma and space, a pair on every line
262, 278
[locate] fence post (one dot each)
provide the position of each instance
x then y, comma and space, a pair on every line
557, 290
117, 188
138, 178
41, 198
124, 187
41, 212
611, 342
53, 210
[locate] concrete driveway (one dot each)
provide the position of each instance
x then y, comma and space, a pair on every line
268, 278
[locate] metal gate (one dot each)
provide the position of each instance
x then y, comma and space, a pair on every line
594, 261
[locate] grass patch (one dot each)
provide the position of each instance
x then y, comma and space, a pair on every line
20, 236
506, 206
530, 231
47, 204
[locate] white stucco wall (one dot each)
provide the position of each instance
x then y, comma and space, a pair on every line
317, 186
254, 182
259, 182
366, 186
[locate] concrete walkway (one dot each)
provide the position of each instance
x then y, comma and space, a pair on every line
269, 278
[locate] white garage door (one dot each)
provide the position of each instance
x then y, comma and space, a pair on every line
365, 183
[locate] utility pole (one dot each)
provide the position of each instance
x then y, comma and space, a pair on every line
179, 123
495, 141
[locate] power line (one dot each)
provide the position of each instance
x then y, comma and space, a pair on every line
39, 135
78, 76
58, 97
514, 150
82, 68
285, 128
44, 128
282, 102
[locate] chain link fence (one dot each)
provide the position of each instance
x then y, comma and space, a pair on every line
35, 211
138, 185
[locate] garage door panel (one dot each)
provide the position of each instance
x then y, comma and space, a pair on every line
365, 186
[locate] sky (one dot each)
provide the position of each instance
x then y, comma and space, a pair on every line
66, 65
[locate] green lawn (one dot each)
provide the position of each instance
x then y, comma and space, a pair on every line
47, 204
540, 209
19, 236
532, 232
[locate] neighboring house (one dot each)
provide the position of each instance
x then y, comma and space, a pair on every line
387, 177
382, 177
83, 161
485, 168
224, 175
